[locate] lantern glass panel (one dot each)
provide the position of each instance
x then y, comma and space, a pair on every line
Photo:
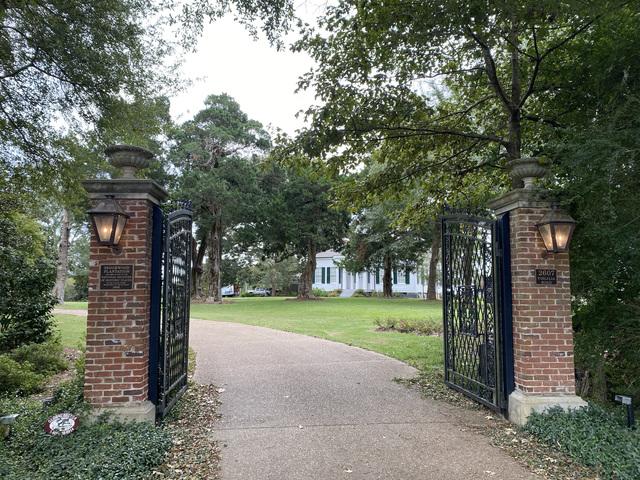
563, 234
546, 232
104, 226
122, 220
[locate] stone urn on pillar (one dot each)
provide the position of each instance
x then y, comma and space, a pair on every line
129, 159
526, 170
542, 332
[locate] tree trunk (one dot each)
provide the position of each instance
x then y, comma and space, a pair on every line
305, 286
215, 260
196, 271
387, 289
433, 263
63, 257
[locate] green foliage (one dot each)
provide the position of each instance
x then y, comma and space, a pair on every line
359, 292
76, 76
26, 279
108, 450
459, 87
24, 369
299, 213
217, 154
594, 437
318, 292
277, 275
335, 293
596, 181
18, 378
298, 218
420, 326
376, 241
43, 358
69, 59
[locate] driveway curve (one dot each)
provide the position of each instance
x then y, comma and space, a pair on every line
296, 407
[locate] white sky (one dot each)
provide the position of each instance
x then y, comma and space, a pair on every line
260, 78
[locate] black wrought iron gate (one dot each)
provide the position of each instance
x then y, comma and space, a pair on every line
171, 296
477, 307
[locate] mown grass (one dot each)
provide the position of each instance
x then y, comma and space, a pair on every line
72, 329
346, 320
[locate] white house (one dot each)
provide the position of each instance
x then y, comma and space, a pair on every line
330, 276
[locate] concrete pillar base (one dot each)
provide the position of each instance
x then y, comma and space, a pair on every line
129, 412
521, 405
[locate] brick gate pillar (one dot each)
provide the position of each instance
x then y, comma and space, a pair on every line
118, 317
542, 329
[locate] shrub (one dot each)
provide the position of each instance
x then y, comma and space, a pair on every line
247, 294
318, 292
594, 437
105, 449
335, 293
420, 326
26, 280
359, 293
80, 286
18, 378
44, 358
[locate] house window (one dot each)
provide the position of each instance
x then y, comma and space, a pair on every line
368, 278
328, 274
340, 276
377, 276
407, 277
395, 276
323, 275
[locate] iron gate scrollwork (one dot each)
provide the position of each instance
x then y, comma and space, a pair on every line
475, 359
174, 299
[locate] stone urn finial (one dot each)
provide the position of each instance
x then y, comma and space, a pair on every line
128, 158
526, 170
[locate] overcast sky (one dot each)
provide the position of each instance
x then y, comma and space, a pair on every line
262, 79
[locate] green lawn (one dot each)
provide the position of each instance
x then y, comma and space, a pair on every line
346, 320
73, 306
72, 329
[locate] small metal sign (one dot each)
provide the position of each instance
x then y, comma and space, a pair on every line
546, 276
61, 424
116, 277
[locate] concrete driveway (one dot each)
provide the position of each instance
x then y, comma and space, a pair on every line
296, 407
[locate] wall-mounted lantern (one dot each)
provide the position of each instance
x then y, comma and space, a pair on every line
556, 229
109, 220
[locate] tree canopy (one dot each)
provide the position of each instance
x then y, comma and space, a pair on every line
216, 154
474, 84
299, 219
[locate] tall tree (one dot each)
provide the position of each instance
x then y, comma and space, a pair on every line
277, 274
298, 219
434, 258
216, 153
474, 82
376, 241
68, 60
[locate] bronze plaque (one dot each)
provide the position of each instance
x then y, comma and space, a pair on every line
116, 277
546, 276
